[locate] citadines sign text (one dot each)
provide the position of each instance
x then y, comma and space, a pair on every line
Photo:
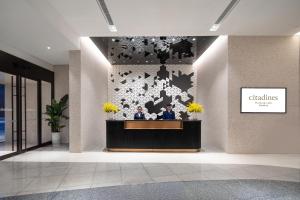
263, 100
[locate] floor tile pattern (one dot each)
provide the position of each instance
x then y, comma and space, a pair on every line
191, 190
20, 178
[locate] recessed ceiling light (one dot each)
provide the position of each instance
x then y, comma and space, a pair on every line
112, 28
224, 14
194, 39
48, 47
214, 27
298, 34
106, 15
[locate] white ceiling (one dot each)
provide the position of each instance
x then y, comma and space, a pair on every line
32, 25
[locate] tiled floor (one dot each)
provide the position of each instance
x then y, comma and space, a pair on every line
19, 178
21, 175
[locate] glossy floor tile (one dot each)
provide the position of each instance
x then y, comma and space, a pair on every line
24, 176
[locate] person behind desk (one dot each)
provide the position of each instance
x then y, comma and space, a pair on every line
169, 114
139, 115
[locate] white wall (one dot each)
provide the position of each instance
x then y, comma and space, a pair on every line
212, 87
75, 101
61, 79
94, 84
88, 79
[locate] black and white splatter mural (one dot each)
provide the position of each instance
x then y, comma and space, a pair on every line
152, 72
152, 87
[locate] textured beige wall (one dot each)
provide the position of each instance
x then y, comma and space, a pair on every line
94, 85
75, 101
61, 75
212, 79
263, 62
88, 74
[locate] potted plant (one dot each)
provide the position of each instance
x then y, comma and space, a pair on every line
110, 109
194, 108
55, 113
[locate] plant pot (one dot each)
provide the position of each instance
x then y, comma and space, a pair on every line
56, 137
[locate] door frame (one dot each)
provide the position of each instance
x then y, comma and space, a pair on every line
23, 69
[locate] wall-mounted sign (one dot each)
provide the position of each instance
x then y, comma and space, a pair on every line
263, 100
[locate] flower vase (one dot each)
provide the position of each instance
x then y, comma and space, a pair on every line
194, 116
110, 116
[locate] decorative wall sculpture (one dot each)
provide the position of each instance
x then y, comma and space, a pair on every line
152, 50
152, 87
152, 72
148, 50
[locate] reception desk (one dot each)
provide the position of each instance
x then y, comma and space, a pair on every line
149, 135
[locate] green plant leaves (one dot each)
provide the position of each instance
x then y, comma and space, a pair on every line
55, 113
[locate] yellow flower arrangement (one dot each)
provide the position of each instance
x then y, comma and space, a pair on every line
110, 107
195, 107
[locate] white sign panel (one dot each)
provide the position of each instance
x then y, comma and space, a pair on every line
263, 100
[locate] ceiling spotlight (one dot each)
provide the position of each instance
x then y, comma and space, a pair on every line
194, 39
48, 47
214, 27
297, 34
112, 28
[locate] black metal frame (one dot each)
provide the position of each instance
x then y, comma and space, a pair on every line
12, 114
24, 69
263, 88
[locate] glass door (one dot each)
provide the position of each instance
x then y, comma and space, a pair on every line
8, 115
29, 113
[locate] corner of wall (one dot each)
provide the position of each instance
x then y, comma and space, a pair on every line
61, 82
212, 92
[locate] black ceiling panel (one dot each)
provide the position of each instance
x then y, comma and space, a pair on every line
153, 50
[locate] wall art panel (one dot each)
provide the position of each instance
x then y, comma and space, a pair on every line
152, 87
